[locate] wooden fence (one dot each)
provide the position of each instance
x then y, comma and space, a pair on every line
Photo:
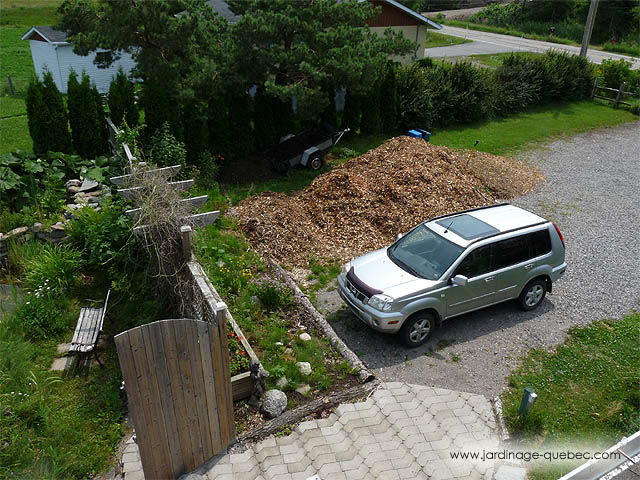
620, 93
176, 374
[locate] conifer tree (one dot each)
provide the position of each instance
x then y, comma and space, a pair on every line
195, 130
389, 100
240, 125
122, 101
86, 117
218, 122
371, 120
352, 111
48, 123
263, 120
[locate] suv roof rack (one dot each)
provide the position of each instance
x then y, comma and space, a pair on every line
467, 211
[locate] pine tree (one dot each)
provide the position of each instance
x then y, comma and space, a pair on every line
48, 124
195, 130
389, 100
36, 111
86, 117
240, 125
218, 122
122, 101
283, 117
371, 122
265, 131
352, 111
160, 106
329, 114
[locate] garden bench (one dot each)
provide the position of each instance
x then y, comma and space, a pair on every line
85, 338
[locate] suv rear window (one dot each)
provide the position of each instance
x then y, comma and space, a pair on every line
467, 227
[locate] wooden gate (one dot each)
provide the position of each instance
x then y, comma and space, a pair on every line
178, 385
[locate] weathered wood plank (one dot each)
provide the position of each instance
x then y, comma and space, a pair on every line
167, 402
204, 330
218, 366
164, 173
241, 386
159, 453
199, 392
184, 365
177, 391
134, 396
192, 203
202, 219
229, 428
133, 192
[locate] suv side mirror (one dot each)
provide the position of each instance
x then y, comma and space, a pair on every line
459, 280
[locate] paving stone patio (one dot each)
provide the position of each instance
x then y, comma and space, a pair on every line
401, 432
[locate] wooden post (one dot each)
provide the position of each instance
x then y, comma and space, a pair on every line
11, 85
221, 307
185, 232
620, 94
591, 17
595, 87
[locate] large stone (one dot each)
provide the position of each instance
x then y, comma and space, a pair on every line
88, 185
74, 182
73, 189
36, 227
16, 232
304, 368
282, 383
303, 389
305, 337
274, 403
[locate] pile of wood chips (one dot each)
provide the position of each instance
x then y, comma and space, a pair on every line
363, 204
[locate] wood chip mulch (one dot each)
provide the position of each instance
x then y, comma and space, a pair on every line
363, 204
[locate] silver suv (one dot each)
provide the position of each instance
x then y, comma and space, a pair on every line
452, 265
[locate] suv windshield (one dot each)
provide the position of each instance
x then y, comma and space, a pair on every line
424, 253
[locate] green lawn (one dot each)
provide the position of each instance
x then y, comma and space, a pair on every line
494, 60
527, 130
435, 39
588, 390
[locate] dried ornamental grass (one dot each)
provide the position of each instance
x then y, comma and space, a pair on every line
363, 204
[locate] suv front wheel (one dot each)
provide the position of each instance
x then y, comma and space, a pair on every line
416, 329
533, 294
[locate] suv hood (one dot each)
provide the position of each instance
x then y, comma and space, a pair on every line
378, 271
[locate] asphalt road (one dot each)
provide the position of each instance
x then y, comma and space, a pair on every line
488, 43
591, 191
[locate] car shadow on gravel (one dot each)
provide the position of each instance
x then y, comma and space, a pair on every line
380, 350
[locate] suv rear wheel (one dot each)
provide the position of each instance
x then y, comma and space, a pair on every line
416, 329
533, 294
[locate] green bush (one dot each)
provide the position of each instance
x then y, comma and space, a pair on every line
51, 269
352, 113
86, 117
635, 107
371, 121
196, 134
165, 149
122, 101
218, 124
263, 120
240, 125
39, 317
389, 99
274, 296
614, 72
47, 116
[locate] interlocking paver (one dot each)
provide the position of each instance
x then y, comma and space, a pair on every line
400, 432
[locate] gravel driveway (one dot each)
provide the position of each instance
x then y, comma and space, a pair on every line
592, 191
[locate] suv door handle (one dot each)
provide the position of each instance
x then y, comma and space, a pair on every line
528, 267
489, 279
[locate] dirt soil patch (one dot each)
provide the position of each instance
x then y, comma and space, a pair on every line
363, 204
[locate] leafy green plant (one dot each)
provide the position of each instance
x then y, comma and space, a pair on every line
238, 357
165, 149
273, 296
51, 269
40, 317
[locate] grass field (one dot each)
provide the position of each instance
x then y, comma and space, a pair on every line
588, 390
435, 39
531, 128
494, 60
16, 17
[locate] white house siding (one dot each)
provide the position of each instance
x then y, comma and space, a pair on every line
60, 60
410, 33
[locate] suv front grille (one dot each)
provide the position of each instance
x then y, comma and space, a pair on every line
354, 291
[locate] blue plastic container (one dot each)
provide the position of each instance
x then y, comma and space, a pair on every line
419, 133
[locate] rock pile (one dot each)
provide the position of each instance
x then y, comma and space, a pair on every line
83, 193
363, 204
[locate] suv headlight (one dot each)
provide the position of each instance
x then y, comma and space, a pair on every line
345, 269
381, 302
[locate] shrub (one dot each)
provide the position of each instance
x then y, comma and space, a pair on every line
39, 317
263, 120
371, 122
274, 296
240, 125
47, 117
196, 132
635, 107
614, 72
389, 99
352, 111
122, 101
165, 149
51, 269
218, 124
86, 117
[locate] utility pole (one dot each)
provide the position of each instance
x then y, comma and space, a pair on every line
591, 18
